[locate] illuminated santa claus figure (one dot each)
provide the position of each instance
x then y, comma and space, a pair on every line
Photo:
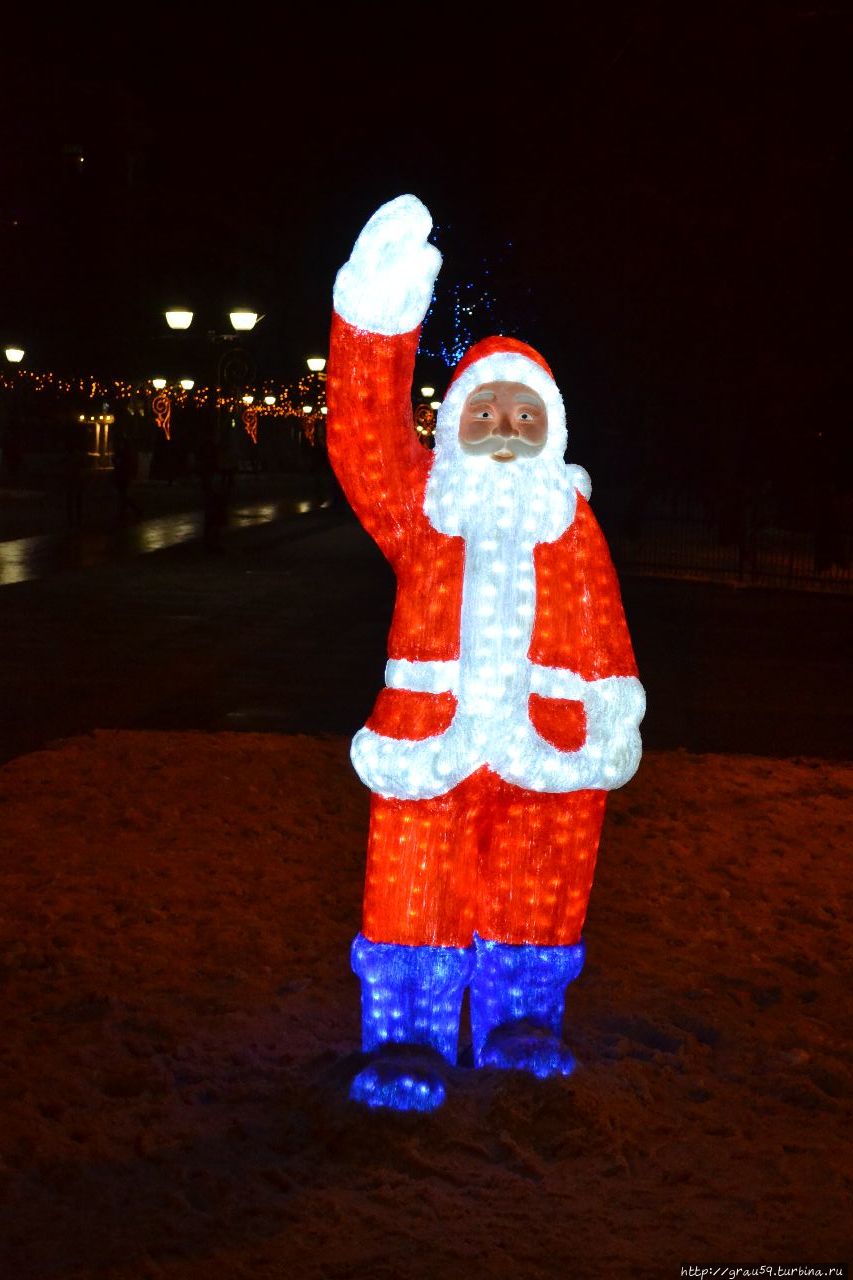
511, 704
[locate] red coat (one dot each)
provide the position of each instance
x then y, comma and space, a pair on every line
578, 635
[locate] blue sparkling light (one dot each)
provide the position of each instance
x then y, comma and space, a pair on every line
399, 1085
469, 301
517, 997
410, 997
411, 1000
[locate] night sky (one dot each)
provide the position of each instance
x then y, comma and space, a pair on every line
657, 196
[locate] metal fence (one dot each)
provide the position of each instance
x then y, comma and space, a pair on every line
687, 543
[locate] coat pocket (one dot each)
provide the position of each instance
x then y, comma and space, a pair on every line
407, 713
560, 721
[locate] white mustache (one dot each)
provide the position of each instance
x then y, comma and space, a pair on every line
494, 444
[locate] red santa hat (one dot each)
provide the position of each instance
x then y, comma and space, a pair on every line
501, 359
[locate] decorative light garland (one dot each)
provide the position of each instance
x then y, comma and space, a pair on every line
288, 400
250, 422
162, 409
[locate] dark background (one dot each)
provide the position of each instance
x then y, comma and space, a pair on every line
656, 196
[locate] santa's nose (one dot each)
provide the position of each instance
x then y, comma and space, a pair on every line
505, 427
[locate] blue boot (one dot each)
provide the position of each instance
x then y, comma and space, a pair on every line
517, 996
411, 999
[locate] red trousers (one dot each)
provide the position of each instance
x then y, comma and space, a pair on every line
513, 865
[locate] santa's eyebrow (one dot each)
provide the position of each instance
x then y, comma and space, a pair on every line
529, 397
481, 395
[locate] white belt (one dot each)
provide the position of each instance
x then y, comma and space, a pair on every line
443, 677
422, 677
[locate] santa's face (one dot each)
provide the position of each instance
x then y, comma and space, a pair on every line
503, 421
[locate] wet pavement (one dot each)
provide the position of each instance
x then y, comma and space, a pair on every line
285, 632
105, 539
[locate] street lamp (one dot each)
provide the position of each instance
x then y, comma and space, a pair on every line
176, 318
14, 354
159, 384
243, 320
427, 392
233, 365
187, 383
316, 383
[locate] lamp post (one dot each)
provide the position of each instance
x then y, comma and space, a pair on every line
233, 365
217, 465
11, 442
317, 383
242, 319
315, 432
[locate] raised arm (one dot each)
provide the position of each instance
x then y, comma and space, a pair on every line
380, 298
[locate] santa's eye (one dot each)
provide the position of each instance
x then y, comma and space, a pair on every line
484, 413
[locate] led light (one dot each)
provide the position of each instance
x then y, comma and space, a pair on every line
178, 319
159, 384
316, 363
242, 319
410, 996
511, 704
513, 984
187, 383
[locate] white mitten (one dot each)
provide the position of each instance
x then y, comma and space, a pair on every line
387, 284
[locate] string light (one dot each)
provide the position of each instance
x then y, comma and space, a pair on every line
286, 401
250, 422
162, 409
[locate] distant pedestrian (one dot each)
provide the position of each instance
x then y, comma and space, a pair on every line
125, 474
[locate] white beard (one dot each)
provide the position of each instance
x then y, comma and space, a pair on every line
528, 500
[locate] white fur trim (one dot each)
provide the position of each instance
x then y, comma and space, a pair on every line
511, 747
422, 677
386, 286
580, 479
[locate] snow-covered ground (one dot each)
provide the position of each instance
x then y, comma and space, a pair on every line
180, 1026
